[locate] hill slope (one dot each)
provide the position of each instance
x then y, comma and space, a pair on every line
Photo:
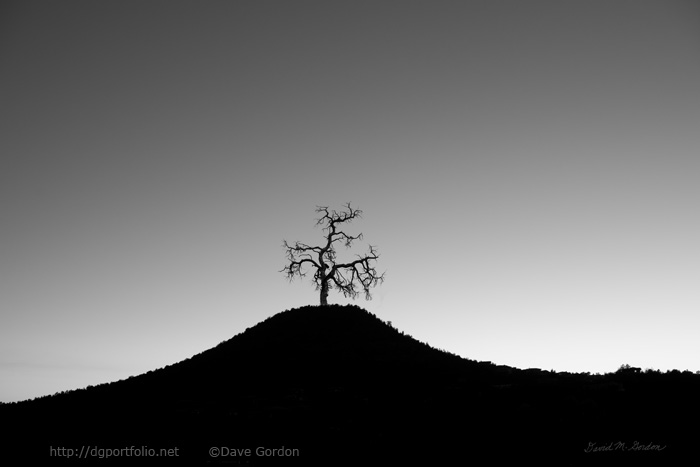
334, 384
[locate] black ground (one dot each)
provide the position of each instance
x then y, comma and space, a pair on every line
337, 386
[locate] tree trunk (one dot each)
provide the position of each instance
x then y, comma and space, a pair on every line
324, 292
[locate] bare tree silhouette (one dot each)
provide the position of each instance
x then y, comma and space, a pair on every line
349, 277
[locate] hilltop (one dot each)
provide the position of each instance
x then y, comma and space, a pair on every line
338, 384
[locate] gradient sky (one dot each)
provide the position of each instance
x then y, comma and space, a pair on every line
529, 171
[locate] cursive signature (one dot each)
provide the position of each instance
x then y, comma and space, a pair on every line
622, 446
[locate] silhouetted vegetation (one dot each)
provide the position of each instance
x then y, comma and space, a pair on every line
328, 272
341, 385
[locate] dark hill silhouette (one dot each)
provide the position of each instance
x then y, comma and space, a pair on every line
341, 386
